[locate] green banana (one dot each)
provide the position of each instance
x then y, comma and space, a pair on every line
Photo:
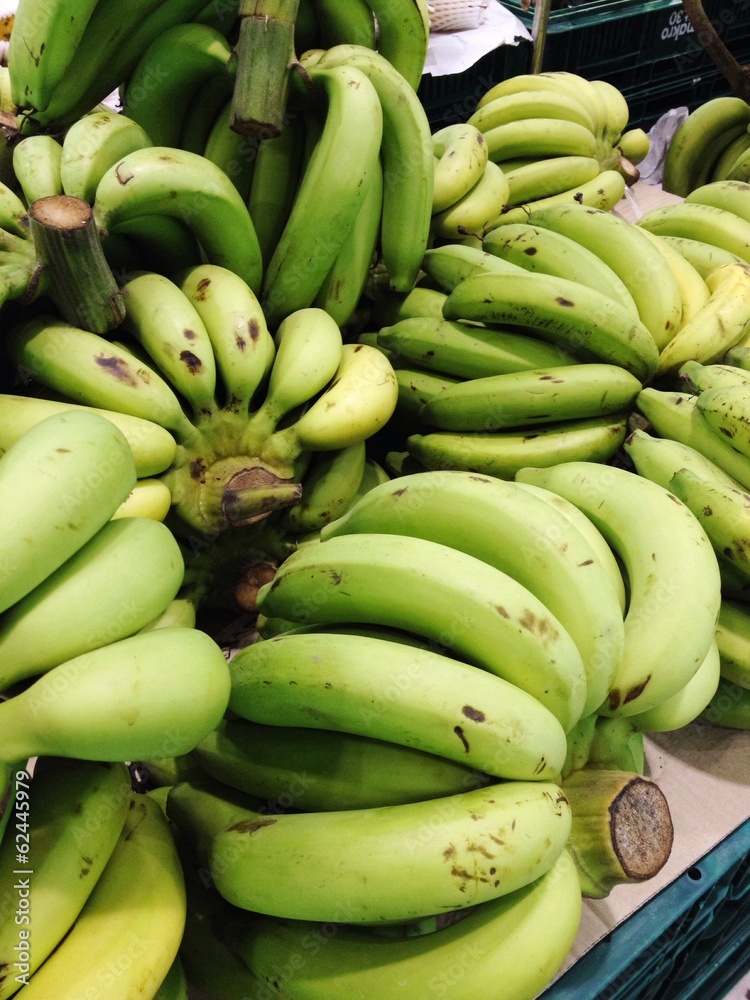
461, 158
730, 706
149, 695
464, 351
359, 400
694, 292
675, 415
150, 498
630, 254
168, 327
273, 185
453, 599
202, 112
94, 144
561, 311
698, 376
76, 811
602, 192
236, 325
345, 21
477, 209
110, 47
328, 488
43, 47
705, 223
152, 446
682, 598
177, 64
90, 370
344, 285
128, 933
531, 541
314, 770
530, 104
163, 180
733, 641
536, 178
59, 484
703, 256
36, 165
113, 586
692, 150
495, 946
539, 137
598, 544
689, 702
174, 986
498, 838
233, 152
407, 157
308, 354
724, 410
503, 453
722, 511
330, 193
403, 35
659, 458
718, 325
540, 249
530, 398
418, 698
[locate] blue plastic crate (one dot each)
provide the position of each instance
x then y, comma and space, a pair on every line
690, 942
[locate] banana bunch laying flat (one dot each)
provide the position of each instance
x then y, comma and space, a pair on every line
533, 140
496, 363
224, 415
90, 918
86, 623
711, 144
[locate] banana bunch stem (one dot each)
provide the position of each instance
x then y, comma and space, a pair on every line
621, 830
69, 250
265, 50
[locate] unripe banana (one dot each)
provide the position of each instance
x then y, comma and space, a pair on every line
59, 484
93, 145
149, 498
474, 212
495, 946
76, 812
421, 699
116, 583
153, 447
453, 599
149, 695
683, 598
687, 705
461, 154
497, 839
308, 354
36, 165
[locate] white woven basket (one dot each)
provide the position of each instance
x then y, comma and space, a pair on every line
455, 15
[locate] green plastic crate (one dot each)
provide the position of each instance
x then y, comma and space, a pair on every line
690, 942
647, 104
632, 43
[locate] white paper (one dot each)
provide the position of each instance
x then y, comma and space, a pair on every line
455, 51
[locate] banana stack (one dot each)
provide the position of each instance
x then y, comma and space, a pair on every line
711, 144
693, 441
533, 140
91, 924
454, 726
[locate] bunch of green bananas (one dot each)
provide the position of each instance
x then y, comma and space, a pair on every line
534, 140
711, 144
108, 902
93, 640
226, 416
693, 441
